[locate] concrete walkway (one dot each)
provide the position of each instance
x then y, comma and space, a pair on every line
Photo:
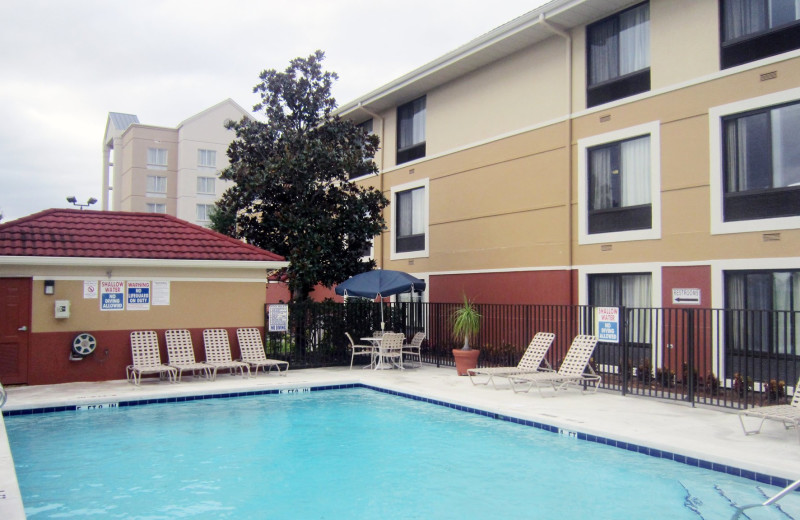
707, 434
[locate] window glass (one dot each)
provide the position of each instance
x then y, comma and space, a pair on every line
207, 158
205, 185
616, 290
156, 208
619, 45
157, 158
410, 220
748, 17
411, 130
156, 184
760, 149
203, 212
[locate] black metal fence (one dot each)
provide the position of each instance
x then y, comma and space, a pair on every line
720, 357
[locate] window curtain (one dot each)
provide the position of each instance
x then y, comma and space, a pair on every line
635, 157
744, 17
603, 52
602, 195
634, 40
636, 296
747, 153
605, 290
785, 129
412, 124
411, 211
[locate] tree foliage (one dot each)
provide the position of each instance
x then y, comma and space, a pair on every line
292, 193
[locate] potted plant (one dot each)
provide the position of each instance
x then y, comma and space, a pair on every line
466, 324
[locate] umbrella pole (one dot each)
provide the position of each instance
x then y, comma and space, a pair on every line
383, 324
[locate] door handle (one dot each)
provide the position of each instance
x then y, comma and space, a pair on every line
23, 328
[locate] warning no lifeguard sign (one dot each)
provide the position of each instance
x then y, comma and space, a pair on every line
607, 324
138, 296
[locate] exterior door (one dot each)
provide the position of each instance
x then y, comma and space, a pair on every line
15, 324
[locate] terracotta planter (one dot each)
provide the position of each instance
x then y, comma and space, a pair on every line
465, 359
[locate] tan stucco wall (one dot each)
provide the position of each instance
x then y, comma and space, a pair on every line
193, 304
135, 141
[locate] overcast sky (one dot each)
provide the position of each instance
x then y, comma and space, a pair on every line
65, 64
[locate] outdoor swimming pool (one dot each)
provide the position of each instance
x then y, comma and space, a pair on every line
352, 453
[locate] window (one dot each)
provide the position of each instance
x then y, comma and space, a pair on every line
156, 185
619, 186
756, 29
156, 208
411, 131
207, 158
366, 126
618, 55
761, 163
204, 212
205, 185
632, 291
157, 158
772, 302
409, 226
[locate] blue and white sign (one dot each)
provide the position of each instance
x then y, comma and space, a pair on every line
607, 323
138, 296
278, 318
112, 295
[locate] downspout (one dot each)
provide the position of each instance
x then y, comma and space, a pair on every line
380, 175
568, 39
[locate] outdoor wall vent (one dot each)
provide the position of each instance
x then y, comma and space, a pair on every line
411, 171
771, 237
605, 119
605, 247
769, 75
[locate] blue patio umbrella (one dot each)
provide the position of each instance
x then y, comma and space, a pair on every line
379, 283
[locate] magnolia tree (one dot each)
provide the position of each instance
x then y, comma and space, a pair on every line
291, 193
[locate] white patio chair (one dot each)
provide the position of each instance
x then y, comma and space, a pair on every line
360, 350
414, 348
180, 352
571, 372
253, 354
787, 414
390, 351
530, 363
147, 358
218, 353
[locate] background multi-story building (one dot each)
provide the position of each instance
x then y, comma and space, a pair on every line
175, 171
607, 152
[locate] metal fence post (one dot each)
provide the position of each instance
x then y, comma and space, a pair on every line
690, 362
623, 333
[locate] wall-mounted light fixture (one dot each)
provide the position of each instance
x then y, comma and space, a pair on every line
49, 286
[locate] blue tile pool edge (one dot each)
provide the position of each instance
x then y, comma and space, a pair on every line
652, 452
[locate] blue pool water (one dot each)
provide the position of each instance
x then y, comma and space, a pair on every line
341, 454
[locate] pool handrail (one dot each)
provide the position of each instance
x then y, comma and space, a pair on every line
782, 493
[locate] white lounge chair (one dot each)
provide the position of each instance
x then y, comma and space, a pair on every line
147, 358
252, 349
530, 363
788, 414
414, 348
360, 350
218, 353
180, 352
571, 372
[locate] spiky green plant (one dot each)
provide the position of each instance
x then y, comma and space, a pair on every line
466, 322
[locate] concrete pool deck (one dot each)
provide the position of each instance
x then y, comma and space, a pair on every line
703, 433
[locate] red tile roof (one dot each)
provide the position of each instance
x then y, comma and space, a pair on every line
115, 234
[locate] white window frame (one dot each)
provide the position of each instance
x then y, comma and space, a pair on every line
154, 207
153, 186
202, 158
155, 160
653, 129
716, 164
203, 179
423, 253
207, 211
